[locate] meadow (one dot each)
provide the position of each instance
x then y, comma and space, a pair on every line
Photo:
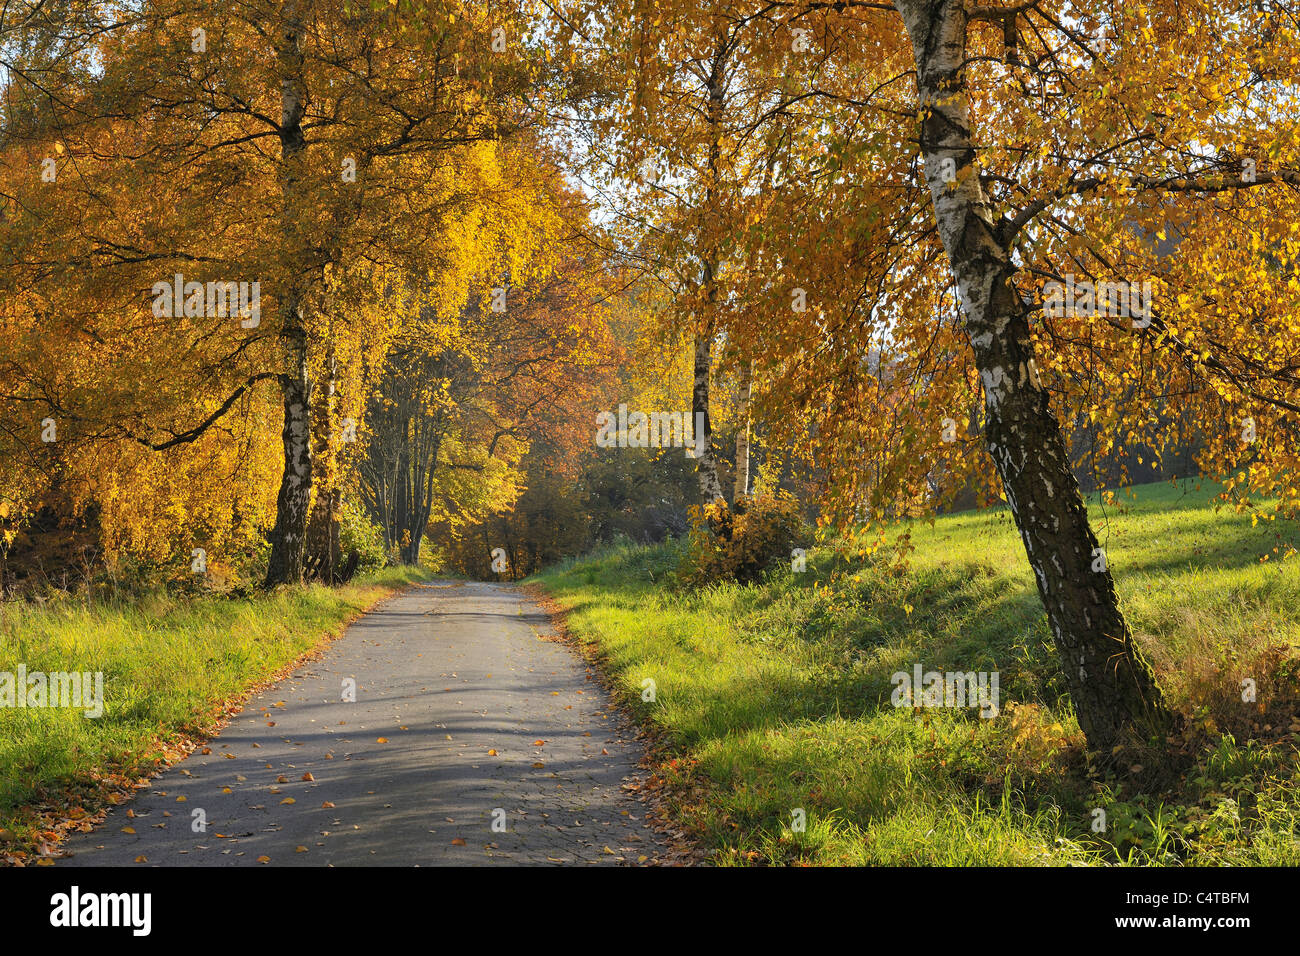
778, 742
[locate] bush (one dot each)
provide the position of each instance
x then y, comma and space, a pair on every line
357, 532
740, 542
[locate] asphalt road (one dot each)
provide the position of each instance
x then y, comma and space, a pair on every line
471, 741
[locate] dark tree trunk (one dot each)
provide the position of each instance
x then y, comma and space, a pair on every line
1111, 685
323, 536
742, 431
411, 550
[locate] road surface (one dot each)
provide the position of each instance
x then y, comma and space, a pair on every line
471, 740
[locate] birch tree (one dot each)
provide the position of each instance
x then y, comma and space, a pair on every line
1116, 132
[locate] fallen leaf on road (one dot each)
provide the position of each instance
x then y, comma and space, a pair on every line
327, 805
142, 859
458, 842
539, 765
282, 779
492, 753
539, 743
308, 776
226, 790
263, 859
300, 849
382, 740
288, 800
128, 829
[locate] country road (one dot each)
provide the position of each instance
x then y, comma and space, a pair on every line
464, 717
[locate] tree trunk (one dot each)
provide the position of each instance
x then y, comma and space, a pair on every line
706, 466
1111, 685
294, 500
742, 431
707, 463
323, 528
402, 503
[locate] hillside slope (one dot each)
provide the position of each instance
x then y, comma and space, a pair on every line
772, 703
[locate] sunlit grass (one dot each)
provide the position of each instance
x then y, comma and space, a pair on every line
168, 663
775, 698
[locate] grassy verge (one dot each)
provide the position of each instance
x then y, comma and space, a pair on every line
773, 702
173, 669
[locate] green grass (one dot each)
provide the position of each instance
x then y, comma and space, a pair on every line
169, 666
775, 697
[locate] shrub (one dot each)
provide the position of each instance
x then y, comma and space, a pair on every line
357, 532
741, 542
